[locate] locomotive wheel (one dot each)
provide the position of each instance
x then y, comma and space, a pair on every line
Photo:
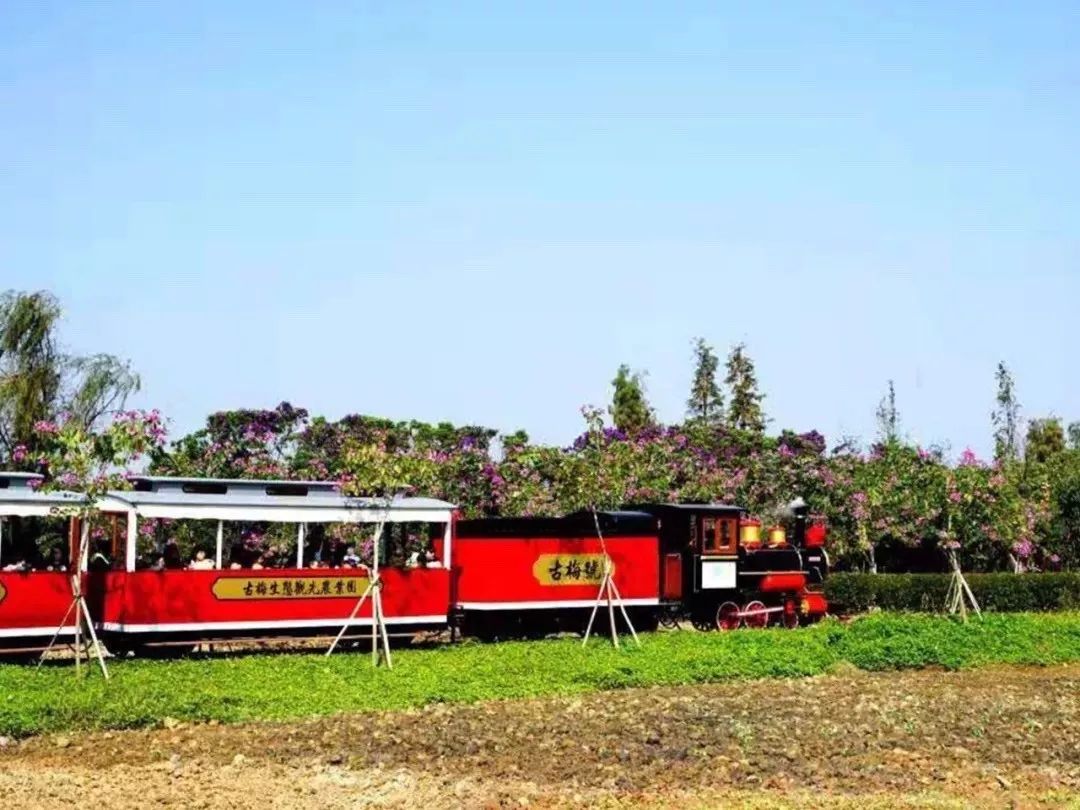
702, 623
790, 618
756, 621
669, 618
727, 616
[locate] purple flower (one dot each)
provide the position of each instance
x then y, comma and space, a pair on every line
1024, 549
19, 453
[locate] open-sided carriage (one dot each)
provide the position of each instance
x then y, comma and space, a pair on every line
137, 606
35, 587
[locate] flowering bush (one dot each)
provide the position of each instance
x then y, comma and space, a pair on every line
895, 507
73, 457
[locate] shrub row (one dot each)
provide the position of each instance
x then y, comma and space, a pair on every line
1003, 593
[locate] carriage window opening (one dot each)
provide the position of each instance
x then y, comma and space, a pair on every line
286, 489
205, 488
4, 483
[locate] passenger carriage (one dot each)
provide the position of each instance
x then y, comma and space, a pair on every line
136, 607
530, 576
33, 600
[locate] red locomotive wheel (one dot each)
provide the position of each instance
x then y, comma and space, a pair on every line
727, 617
757, 618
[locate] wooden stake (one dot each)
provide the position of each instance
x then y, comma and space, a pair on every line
82, 612
608, 593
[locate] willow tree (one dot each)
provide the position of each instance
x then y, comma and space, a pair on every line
39, 381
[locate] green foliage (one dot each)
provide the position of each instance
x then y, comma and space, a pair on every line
630, 410
38, 382
888, 419
1006, 416
1045, 440
1074, 435
745, 412
141, 693
706, 402
1000, 592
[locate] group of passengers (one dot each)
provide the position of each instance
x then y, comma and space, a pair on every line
54, 560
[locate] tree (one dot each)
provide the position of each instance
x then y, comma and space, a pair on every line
1074, 436
706, 403
1006, 416
39, 382
887, 417
1045, 440
629, 409
745, 412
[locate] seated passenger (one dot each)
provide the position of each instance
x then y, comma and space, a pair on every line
200, 562
55, 561
99, 560
18, 566
430, 561
173, 560
351, 559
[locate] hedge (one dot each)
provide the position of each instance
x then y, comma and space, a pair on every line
1003, 593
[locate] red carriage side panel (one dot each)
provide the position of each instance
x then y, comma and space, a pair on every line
541, 564
32, 604
270, 599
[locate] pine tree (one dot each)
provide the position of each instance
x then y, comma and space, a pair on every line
745, 411
629, 409
888, 418
1006, 416
706, 403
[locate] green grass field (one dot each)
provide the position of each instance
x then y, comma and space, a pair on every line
257, 687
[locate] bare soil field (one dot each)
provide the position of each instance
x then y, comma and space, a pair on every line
994, 737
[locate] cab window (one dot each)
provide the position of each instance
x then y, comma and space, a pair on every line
708, 536
719, 536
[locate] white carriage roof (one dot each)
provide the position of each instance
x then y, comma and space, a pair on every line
18, 498
270, 501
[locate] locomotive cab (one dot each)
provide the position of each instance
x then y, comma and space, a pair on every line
699, 547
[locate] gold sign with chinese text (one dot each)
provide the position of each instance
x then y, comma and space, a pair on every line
569, 569
317, 587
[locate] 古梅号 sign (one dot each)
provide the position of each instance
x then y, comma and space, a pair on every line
569, 569
317, 587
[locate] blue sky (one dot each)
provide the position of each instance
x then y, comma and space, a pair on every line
476, 212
